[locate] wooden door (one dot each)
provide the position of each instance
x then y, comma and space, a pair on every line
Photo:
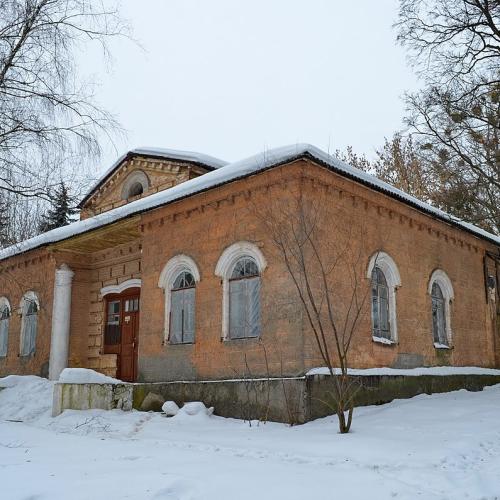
130, 329
121, 331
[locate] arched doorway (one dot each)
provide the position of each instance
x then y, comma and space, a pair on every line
121, 331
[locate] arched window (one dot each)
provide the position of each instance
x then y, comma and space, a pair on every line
240, 266
29, 323
135, 190
380, 305
135, 184
4, 326
182, 309
438, 315
178, 280
244, 300
441, 292
385, 280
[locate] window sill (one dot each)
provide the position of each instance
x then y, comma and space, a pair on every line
178, 343
229, 339
437, 345
383, 341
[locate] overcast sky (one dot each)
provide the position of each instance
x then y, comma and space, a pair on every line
231, 77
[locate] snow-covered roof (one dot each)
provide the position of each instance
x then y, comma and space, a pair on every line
231, 172
204, 160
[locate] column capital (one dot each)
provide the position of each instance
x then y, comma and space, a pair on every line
64, 275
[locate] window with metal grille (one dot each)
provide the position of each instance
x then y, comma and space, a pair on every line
29, 327
4, 329
380, 305
438, 315
182, 309
244, 299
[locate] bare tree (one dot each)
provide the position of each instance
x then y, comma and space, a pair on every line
455, 118
460, 144
325, 263
452, 42
20, 218
398, 163
49, 119
354, 159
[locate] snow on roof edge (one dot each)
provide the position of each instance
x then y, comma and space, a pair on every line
231, 172
174, 154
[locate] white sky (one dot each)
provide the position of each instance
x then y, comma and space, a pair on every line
231, 78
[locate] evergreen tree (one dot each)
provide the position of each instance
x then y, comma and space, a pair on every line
62, 211
4, 223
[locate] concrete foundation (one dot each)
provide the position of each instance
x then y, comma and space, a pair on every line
290, 400
91, 396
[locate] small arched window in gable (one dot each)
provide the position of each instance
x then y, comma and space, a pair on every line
29, 324
135, 190
135, 184
380, 305
244, 299
4, 326
182, 309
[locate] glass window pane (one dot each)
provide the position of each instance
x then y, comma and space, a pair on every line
112, 332
189, 323
253, 309
4, 313
176, 317
29, 334
251, 268
438, 315
239, 269
384, 317
380, 305
244, 268
184, 280
4, 335
114, 307
237, 309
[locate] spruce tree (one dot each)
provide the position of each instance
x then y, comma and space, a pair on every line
62, 211
4, 223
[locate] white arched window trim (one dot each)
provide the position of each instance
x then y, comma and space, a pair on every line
172, 269
442, 279
387, 265
224, 268
28, 297
135, 177
132, 283
4, 328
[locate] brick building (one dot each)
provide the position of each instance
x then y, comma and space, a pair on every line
170, 275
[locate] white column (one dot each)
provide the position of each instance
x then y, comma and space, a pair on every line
61, 313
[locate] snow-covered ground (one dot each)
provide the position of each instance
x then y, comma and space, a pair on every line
443, 446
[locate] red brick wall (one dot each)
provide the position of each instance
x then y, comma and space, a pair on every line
32, 271
202, 226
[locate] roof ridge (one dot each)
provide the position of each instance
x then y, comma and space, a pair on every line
232, 172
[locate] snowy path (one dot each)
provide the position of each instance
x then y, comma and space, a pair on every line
436, 447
